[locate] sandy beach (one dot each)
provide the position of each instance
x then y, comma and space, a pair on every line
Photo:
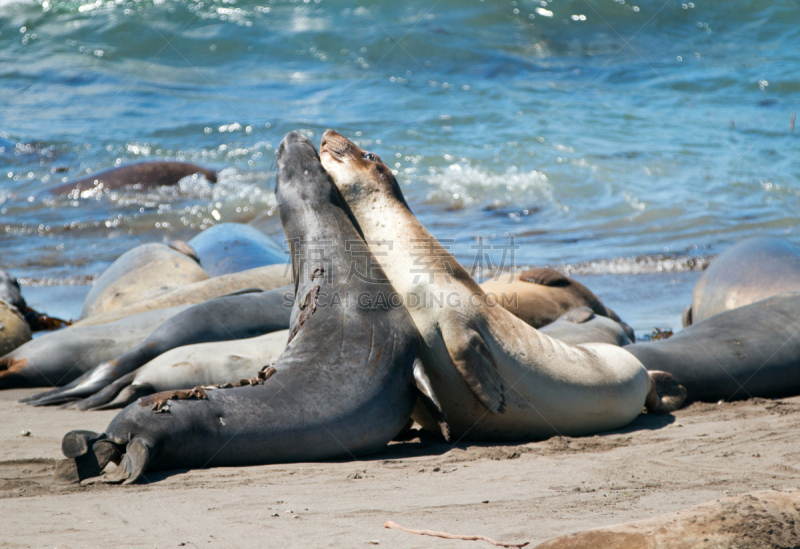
526, 492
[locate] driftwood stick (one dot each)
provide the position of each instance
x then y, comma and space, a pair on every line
445, 535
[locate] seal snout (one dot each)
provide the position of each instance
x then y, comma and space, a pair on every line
334, 143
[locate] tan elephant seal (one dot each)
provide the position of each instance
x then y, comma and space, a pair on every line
541, 296
14, 330
497, 377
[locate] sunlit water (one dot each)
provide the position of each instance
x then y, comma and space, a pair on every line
616, 139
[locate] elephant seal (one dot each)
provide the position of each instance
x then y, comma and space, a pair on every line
751, 351
60, 357
497, 377
185, 367
220, 319
540, 296
581, 325
143, 272
145, 174
14, 330
749, 271
232, 247
759, 519
11, 294
345, 385
10, 291
251, 280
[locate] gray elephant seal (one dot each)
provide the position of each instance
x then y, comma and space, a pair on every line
749, 271
750, 351
232, 247
497, 377
581, 325
540, 296
190, 366
345, 385
221, 319
143, 272
60, 357
258, 279
143, 174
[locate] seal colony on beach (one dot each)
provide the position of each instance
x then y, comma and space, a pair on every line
496, 377
345, 385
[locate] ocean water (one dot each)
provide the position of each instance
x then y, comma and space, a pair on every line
625, 142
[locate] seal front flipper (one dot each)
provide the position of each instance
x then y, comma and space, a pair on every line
429, 399
474, 361
664, 394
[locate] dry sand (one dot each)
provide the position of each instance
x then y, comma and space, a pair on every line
527, 492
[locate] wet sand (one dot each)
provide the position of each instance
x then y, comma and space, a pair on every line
527, 492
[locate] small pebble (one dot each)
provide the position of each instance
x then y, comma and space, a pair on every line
485, 501
372, 542
25, 433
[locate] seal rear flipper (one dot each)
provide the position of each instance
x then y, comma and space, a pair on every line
106, 394
87, 455
474, 361
51, 392
85, 386
134, 463
428, 397
127, 395
664, 394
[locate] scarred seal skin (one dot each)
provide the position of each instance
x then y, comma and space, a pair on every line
750, 351
749, 271
143, 174
232, 247
220, 319
345, 385
144, 272
497, 377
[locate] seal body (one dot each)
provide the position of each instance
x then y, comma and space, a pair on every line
185, 367
221, 319
265, 278
581, 325
57, 358
144, 174
344, 386
541, 296
14, 330
232, 247
750, 351
496, 376
146, 271
10, 291
749, 271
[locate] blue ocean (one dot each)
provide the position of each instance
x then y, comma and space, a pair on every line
623, 142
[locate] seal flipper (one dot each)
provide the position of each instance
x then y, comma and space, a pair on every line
578, 315
87, 455
664, 394
429, 399
106, 394
474, 361
129, 394
546, 277
132, 467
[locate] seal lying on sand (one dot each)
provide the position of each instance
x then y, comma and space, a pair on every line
344, 386
60, 357
745, 352
189, 366
258, 279
749, 271
14, 330
221, 319
144, 174
540, 296
145, 272
497, 377
581, 325
761, 519
232, 247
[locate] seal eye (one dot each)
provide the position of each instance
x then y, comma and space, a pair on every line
369, 156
